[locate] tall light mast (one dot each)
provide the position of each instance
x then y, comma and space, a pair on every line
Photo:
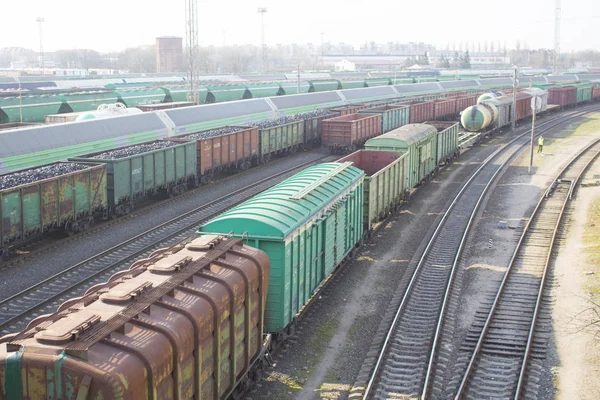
262, 11
191, 41
556, 36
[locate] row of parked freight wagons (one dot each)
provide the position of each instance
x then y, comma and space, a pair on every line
34, 107
31, 146
249, 273
68, 196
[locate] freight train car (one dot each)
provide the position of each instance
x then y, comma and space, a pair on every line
419, 141
384, 185
563, 96
444, 109
185, 323
230, 147
447, 141
421, 111
392, 116
60, 196
307, 225
139, 171
277, 138
348, 132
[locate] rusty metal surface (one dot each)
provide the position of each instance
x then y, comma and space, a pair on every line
185, 322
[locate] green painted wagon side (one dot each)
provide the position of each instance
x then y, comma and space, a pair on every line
392, 117
280, 139
88, 101
419, 141
170, 169
584, 92
291, 87
265, 89
306, 225
384, 185
180, 93
33, 108
132, 98
324, 85
447, 140
372, 82
67, 202
353, 84
222, 93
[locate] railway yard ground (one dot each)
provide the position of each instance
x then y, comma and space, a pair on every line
29, 270
324, 357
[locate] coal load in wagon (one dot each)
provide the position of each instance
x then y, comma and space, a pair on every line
215, 132
38, 174
293, 118
133, 150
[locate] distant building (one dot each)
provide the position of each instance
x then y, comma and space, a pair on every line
169, 54
345, 65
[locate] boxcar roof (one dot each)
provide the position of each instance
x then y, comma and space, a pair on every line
279, 211
409, 134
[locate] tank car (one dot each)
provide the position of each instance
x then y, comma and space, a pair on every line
479, 117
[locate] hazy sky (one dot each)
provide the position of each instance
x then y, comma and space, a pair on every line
107, 25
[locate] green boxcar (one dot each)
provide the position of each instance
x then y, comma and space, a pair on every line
392, 117
384, 185
280, 139
447, 140
419, 141
584, 92
170, 170
306, 225
66, 202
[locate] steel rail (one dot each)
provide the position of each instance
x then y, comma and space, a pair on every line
373, 377
195, 216
473, 360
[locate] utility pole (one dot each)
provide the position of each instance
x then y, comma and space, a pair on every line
262, 11
191, 39
557, 11
298, 78
534, 107
322, 50
514, 102
40, 21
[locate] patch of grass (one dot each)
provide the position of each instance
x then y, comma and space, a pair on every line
316, 346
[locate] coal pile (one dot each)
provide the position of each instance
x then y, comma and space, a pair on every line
293, 118
133, 150
37, 174
215, 132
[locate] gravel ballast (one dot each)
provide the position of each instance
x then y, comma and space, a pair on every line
21, 275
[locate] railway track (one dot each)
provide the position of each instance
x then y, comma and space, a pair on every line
405, 362
44, 297
37, 246
502, 343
